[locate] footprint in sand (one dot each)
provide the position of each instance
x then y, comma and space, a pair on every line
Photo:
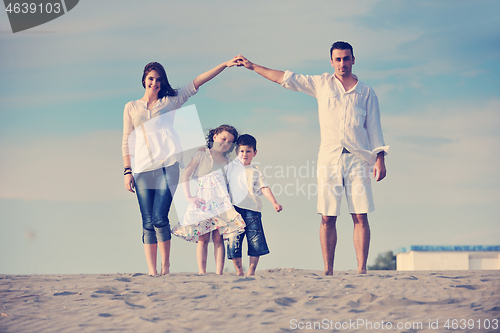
285, 301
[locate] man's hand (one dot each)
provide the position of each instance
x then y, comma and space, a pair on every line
242, 61
379, 170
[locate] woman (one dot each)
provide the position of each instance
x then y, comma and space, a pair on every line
155, 180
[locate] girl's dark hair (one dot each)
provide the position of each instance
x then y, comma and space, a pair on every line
166, 89
228, 128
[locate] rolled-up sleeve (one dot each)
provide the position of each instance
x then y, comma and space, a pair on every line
373, 125
128, 128
183, 93
297, 82
259, 181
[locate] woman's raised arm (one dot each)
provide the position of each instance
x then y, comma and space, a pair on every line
207, 76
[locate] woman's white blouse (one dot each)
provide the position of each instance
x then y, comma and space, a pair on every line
149, 136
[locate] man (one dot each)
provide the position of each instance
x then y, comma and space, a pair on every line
351, 143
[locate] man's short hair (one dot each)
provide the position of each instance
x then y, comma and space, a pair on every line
341, 46
247, 140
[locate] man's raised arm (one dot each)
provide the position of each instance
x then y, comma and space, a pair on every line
270, 74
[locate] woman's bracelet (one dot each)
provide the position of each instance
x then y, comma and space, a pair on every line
125, 170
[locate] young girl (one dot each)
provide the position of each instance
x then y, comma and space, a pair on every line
210, 214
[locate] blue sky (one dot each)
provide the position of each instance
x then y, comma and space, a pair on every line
434, 65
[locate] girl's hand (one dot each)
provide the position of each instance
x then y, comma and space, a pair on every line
129, 183
196, 201
277, 207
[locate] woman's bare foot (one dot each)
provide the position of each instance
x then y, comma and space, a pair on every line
165, 270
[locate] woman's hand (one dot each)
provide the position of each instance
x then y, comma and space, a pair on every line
207, 76
236, 61
129, 183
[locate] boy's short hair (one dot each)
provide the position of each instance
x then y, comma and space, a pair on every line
247, 140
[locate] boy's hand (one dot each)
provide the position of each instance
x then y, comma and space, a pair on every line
277, 207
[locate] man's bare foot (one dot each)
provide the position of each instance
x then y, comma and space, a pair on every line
328, 273
240, 273
361, 271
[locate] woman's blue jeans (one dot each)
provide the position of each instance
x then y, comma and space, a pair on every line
155, 190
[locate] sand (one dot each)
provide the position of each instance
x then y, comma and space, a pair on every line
277, 300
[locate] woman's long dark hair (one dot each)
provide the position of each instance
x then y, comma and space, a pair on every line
166, 89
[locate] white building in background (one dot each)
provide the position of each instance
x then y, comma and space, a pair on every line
437, 258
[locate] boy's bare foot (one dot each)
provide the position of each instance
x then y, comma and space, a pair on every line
253, 266
361, 271
328, 272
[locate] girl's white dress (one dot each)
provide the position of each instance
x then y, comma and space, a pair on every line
217, 212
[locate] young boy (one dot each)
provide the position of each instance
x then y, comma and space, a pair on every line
246, 184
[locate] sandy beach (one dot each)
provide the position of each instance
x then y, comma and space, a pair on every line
277, 300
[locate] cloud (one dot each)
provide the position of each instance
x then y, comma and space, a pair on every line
101, 31
84, 167
487, 235
445, 154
